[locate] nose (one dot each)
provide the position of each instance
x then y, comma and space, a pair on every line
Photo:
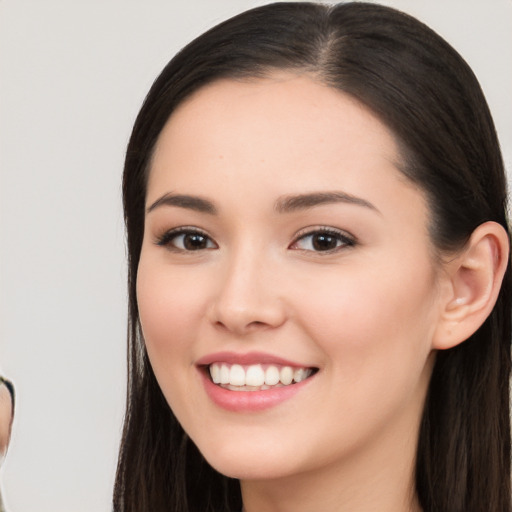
248, 297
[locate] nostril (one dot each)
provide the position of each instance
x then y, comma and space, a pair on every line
257, 324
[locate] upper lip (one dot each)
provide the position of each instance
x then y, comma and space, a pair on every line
247, 358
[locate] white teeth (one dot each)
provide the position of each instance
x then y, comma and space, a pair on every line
300, 374
224, 374
215, 373
254, 377
271, 376
286, 375
237, 375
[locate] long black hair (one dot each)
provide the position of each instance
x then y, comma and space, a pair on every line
426, 94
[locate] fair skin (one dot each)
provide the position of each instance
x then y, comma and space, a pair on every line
340, 283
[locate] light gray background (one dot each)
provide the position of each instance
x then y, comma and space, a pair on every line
73, 75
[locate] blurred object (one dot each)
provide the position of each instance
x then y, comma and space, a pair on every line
6, 417
6, 414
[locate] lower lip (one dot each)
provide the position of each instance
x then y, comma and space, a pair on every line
250, 401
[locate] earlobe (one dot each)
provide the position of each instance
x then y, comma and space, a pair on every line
473, 280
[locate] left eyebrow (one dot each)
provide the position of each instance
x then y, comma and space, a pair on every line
292, 203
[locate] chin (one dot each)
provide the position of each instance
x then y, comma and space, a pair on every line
243, 471
253, 463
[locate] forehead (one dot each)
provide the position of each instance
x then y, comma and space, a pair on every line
284, 134
270, 121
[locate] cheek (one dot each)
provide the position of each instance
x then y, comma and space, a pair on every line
373, 322
169, 308
375, 335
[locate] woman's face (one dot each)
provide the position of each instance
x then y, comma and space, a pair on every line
281, 242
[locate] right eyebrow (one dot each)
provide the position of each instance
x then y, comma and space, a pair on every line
199, 204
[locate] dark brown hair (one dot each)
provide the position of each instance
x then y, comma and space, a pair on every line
426, 94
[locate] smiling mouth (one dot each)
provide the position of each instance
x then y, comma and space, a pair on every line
256, 377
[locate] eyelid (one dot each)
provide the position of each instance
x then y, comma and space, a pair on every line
165, 238
347, 239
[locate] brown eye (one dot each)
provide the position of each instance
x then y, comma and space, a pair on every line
323, 241
193, 241
186, 240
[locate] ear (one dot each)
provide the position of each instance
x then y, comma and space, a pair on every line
471, 285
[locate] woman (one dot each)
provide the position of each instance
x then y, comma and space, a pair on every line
319, 273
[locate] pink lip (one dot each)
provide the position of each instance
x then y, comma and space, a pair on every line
250, 401
246, 359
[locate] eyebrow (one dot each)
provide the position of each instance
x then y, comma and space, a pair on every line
305, 201
199, 204
286, 204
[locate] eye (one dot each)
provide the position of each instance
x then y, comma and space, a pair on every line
323, 240
186, 239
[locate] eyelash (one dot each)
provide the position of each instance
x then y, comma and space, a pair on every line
342, 239
167, 239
